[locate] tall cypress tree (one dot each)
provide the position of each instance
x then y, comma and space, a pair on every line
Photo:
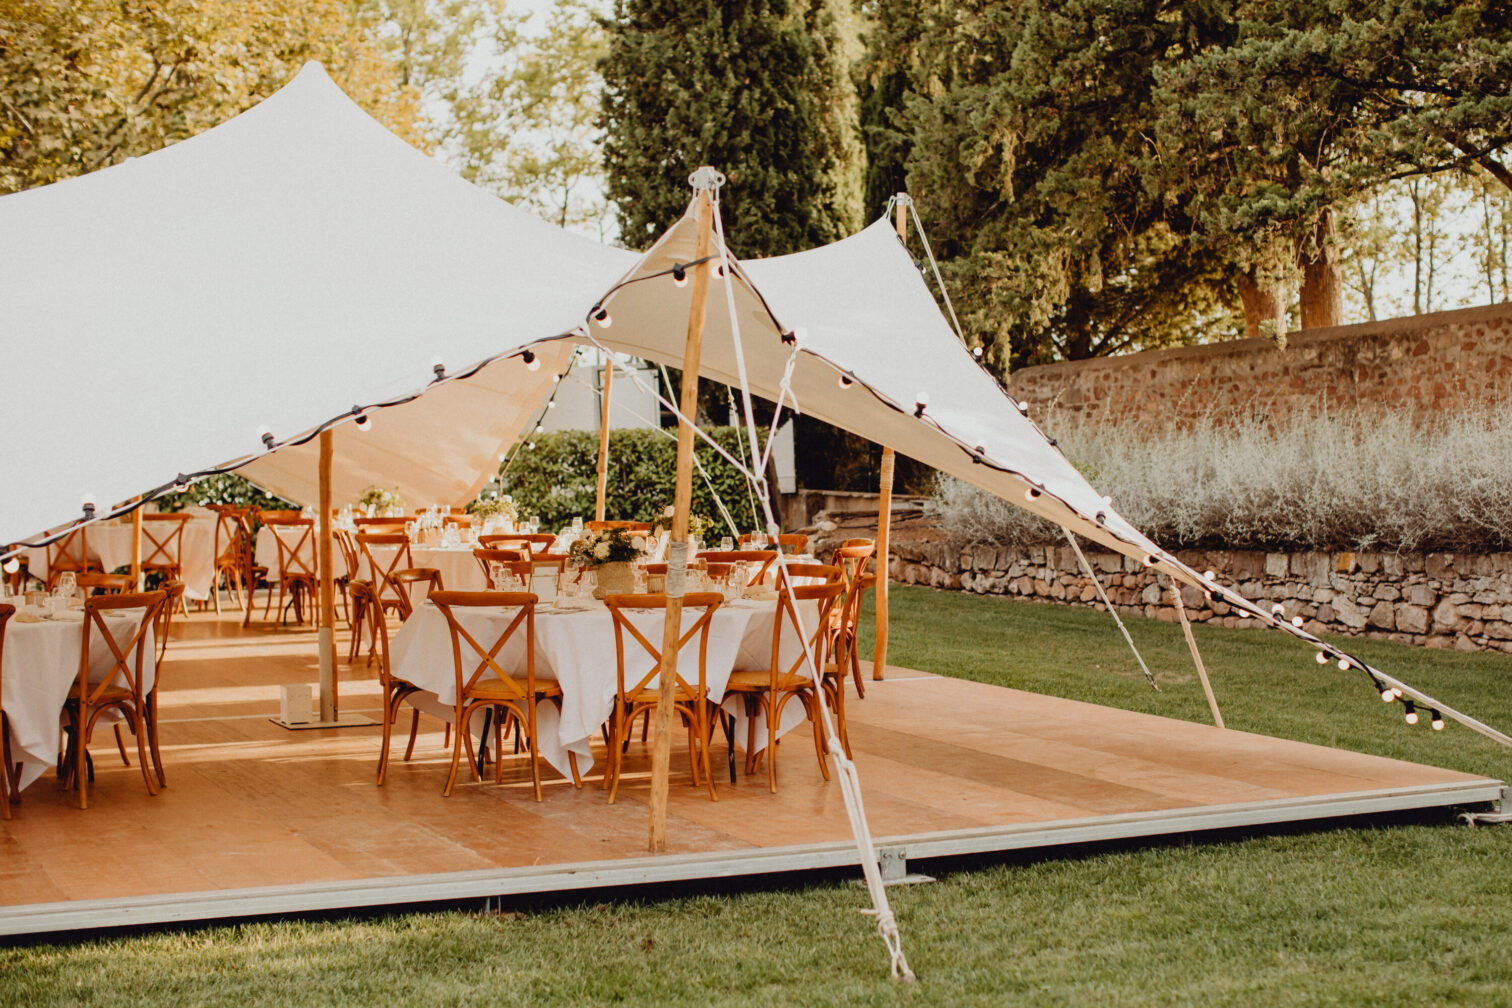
760, 89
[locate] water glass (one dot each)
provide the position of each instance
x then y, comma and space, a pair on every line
577, 524
68, 584
496, 574
727, 544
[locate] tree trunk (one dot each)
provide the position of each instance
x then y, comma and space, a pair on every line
1322, 295
1264, 310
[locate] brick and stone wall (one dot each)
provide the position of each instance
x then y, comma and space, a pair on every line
1425, 363
1441, 600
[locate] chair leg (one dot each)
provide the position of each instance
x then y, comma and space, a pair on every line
151, 718
142, 755
121, 745
80, 754
5, 789
409, 750
390, 711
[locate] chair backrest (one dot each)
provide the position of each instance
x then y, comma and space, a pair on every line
648, 655
105, 584
71, 552
760, 560
276, 514
539, 541
348, 547
790, 630
295, 539
164, 623
478, 658
507, 542
379, 524
633, 526
854, 560
823, 573
365, 599
126, 663
230, 529
385, 553
788, 542
163, 534
515, 560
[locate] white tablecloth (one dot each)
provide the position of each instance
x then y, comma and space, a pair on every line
576, 648
41, 664
110, 544
459, 571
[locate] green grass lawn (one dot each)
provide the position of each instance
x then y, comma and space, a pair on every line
1404, 915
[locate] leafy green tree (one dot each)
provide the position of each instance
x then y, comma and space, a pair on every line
90, 83
761, 90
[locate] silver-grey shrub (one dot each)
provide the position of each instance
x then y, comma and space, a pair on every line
1377, 480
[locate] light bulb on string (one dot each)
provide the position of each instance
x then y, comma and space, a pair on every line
921, 403
1343, 664
846, 381
532, 362
1435, 719
551, 404
1386, 695
438, 368
364, 422
1322, 658
976, 352
1297, 621
1149, 560
680, 275
601, 316
1208, 575
1278, 609
540, 428
87, 503
1411, 715
1033, 493
266, 437
530, 444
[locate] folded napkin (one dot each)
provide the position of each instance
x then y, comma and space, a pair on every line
26, 617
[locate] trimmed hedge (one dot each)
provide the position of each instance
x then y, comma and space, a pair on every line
558, 478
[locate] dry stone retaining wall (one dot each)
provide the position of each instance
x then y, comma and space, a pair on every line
1441, 600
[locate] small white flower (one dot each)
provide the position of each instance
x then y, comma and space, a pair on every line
601, 551
670, 510
638, 542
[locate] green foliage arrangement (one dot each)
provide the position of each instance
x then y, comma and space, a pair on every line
558, 478
612, 545
224, 488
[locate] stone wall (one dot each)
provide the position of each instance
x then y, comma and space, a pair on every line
1424, 363
1441, 600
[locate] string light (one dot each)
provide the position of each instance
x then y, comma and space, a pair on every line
921, 402
530, 444
1322, 658
1208, 575
1023, 407
1296, 621
976, 352
540, 428
556, 379
846, 381
1278, 609
551, 404
1343, 664
1435, 719
1033, 493
181, 483
680, 275
266, 436
1386, 695
1149, 560
532, 363
438, 367
1100, 518
601, 316
87, 502
1411, 717
980, 448
364, 424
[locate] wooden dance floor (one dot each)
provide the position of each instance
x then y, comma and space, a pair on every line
257, 820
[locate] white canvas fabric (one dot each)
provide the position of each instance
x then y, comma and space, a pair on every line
299, 261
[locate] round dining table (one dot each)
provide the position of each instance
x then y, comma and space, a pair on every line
574, 645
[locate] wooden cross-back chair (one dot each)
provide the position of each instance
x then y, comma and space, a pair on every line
539, 542
633, 526
231, 548
518, 562
163, 546
636, 693
70, 553
392, 573
7, 785
396, 691
760, 560
788, 676
122, 688
854, 559
481, 681
385, 523
95, 583
294, 539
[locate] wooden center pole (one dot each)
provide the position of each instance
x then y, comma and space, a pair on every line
328, 699
136, 549
884, 515
661, 753
603, 459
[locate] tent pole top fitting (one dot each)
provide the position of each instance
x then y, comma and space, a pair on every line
706, 179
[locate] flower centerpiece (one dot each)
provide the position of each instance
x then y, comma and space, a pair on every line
610, 552
500, 508
376, 500
662, 524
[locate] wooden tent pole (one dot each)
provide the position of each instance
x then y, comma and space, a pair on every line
328, 699
682, 499
136, 549
884, 511
603, 459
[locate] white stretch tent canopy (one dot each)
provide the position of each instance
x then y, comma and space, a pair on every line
299, 261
